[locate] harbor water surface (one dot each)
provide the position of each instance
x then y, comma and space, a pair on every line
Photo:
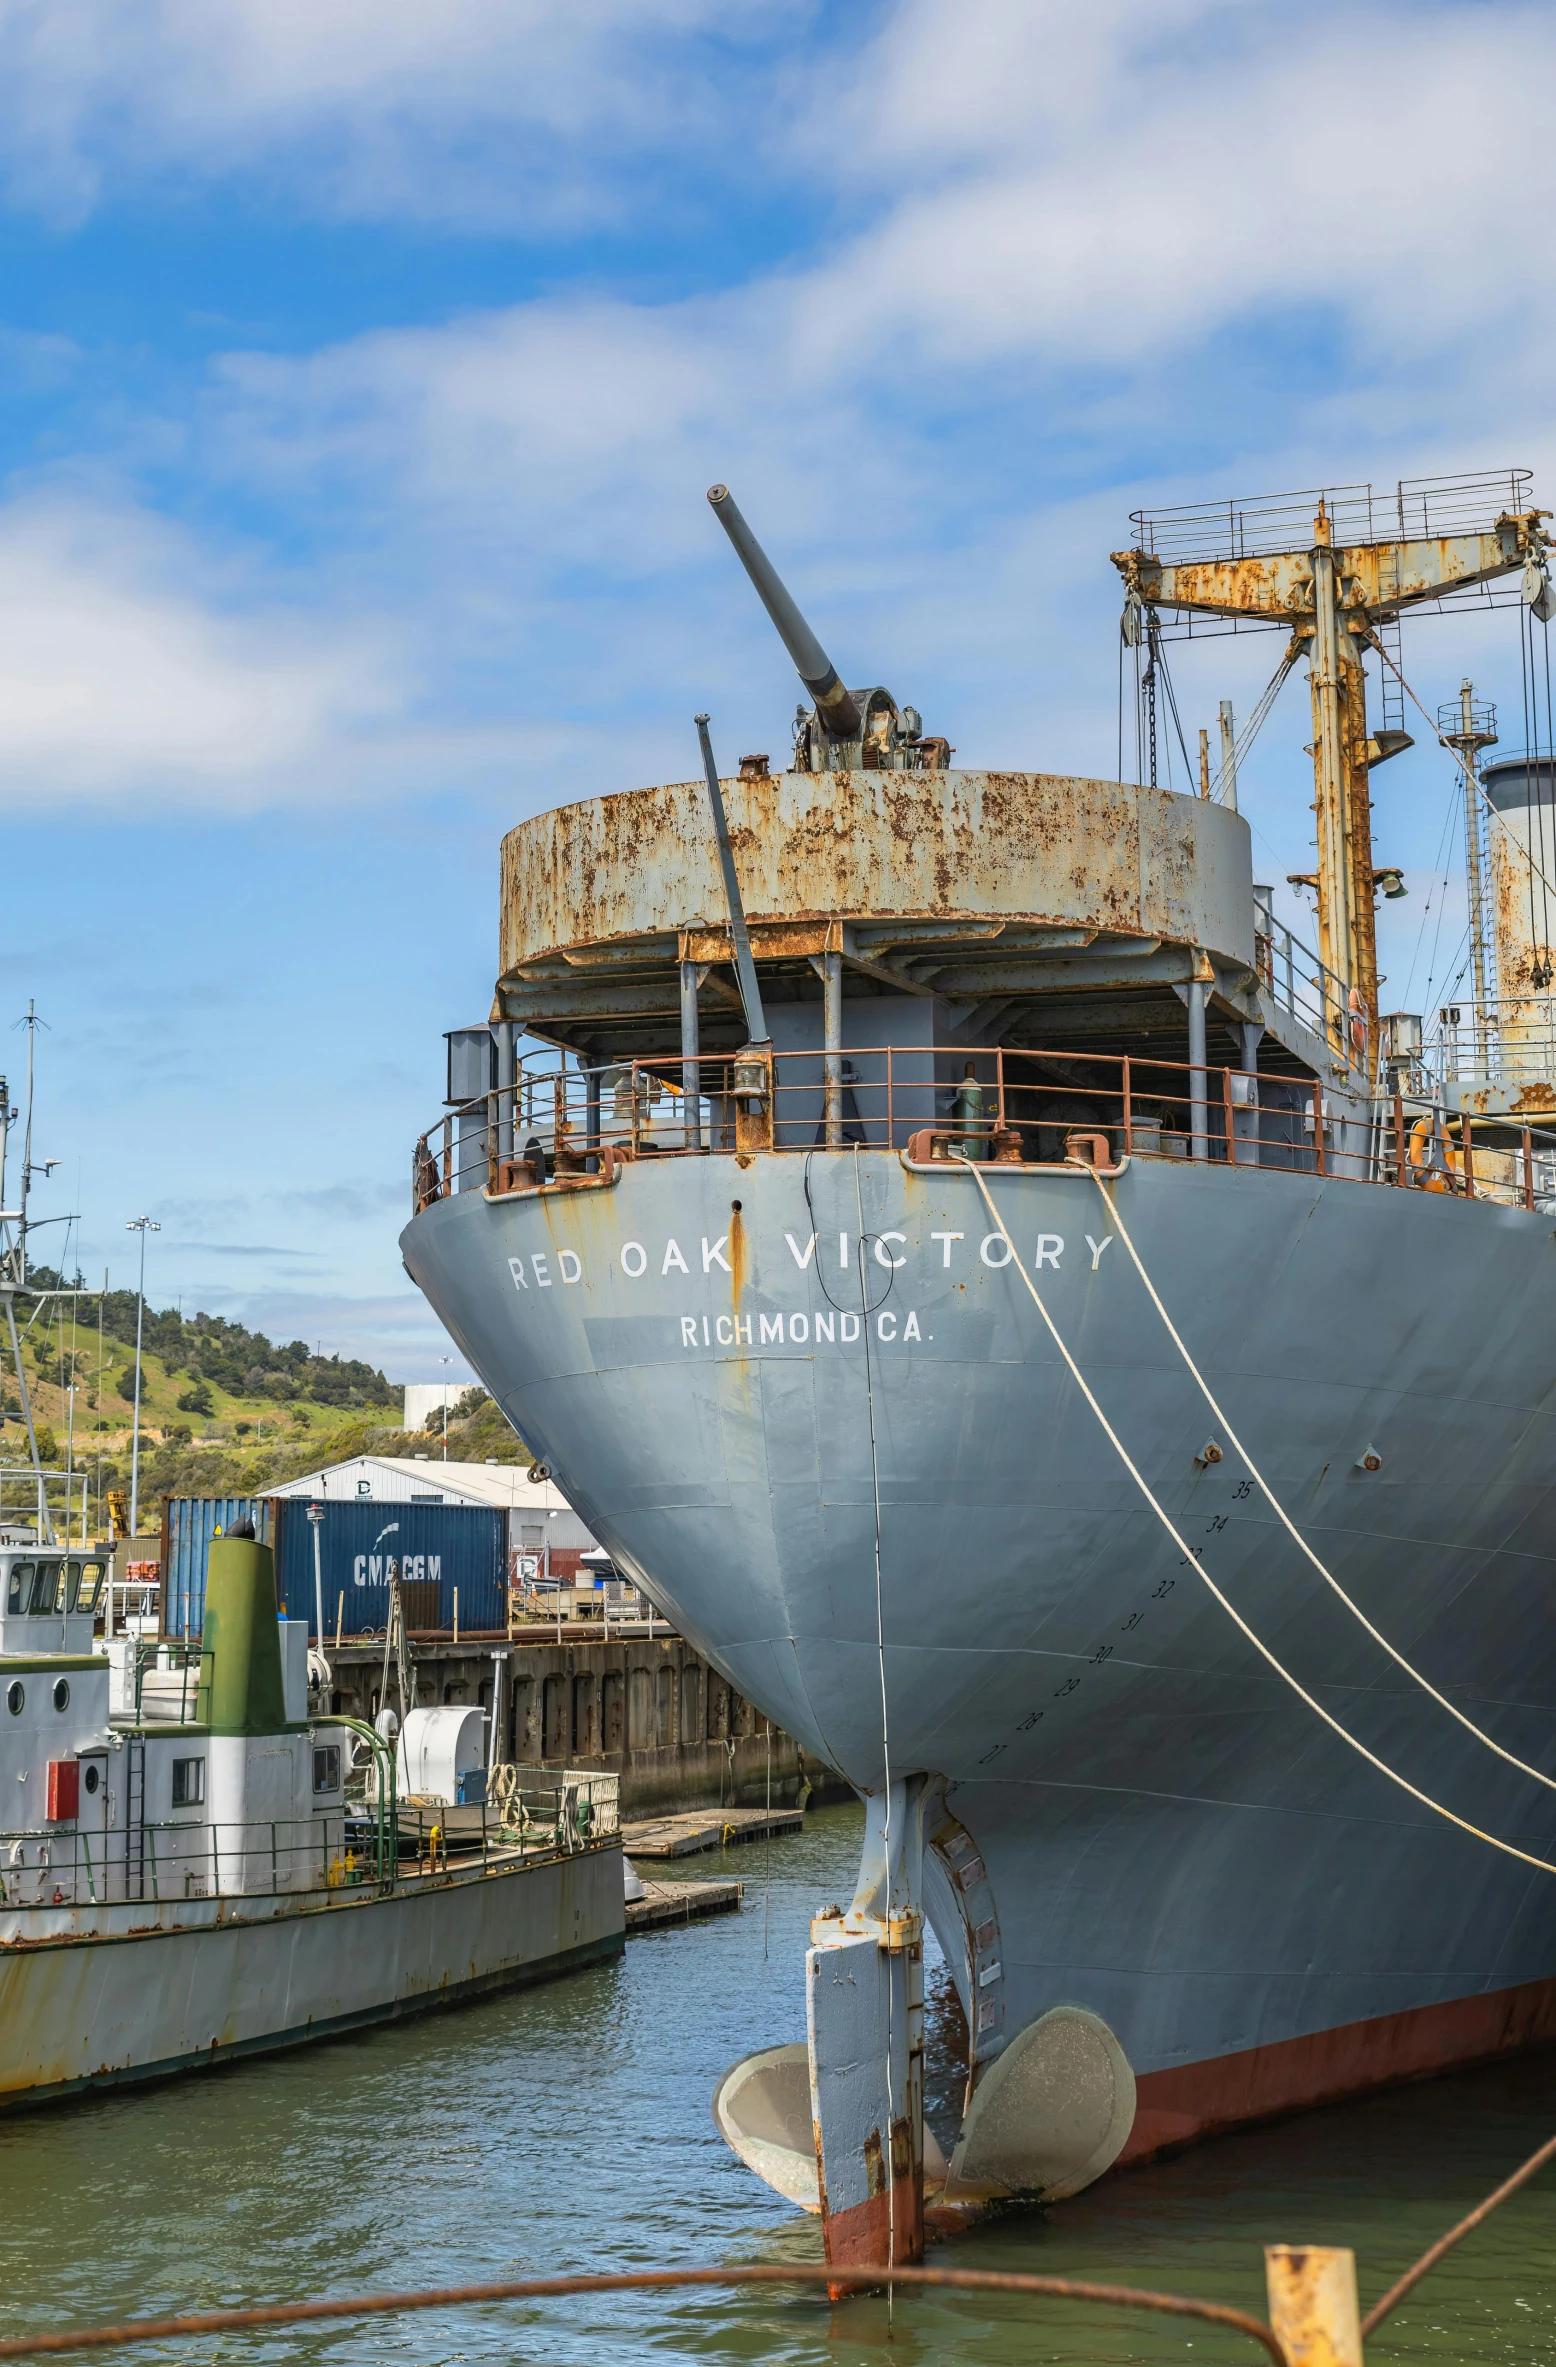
568, 2128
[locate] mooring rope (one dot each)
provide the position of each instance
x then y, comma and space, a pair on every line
1279, 1510
837, 2279
880, 1654
1543, 1865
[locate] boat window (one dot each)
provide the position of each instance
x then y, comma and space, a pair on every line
90, 1586
188, 1783
326, 1767
21, 1580
45, 1587
61, 1693
15, 1698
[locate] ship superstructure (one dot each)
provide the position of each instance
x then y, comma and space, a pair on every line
1049, 1237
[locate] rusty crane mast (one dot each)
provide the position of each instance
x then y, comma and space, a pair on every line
1337, 568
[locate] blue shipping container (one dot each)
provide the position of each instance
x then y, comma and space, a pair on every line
362, 1546
188, 1525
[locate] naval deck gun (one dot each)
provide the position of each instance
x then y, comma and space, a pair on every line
1091, 952
845, 730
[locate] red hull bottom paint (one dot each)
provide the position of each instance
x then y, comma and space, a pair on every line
862, 2236
1263, 2082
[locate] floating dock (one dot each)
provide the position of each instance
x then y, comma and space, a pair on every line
666, 1903
701, 1829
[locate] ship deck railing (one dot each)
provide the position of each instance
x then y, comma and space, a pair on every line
1267, 524
1506, 1042
60, 1869
1295, 978
561, 1123
156, 1680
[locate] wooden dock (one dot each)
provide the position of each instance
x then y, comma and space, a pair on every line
701, 1829
666, 1903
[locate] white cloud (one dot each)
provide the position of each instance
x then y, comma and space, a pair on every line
1121, 180
938, 422
130, 664
1056, 207
519, 111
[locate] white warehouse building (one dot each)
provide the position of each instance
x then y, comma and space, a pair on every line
540, 1519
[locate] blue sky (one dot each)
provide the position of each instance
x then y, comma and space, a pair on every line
361, 371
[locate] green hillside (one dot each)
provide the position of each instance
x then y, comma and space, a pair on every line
224, 1411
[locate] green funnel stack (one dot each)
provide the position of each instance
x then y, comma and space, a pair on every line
240, 1663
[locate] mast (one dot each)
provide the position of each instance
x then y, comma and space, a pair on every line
1336, 568
13, 1265
1347, 939
1470, 724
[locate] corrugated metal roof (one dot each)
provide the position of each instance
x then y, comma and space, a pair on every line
405, 1479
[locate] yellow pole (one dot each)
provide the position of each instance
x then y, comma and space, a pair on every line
340, 1613
456, 1614
1313, 2308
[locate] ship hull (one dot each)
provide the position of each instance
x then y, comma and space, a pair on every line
1164, 1832
146, 1993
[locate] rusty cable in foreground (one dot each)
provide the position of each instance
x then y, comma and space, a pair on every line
292, 2313
1445, 2243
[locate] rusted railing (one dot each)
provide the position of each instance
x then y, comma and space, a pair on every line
559, 1122
1270, 523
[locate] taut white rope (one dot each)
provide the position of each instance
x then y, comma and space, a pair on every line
1506, 1847
1289, 1525
880, 1655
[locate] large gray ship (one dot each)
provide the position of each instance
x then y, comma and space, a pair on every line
1068, 1361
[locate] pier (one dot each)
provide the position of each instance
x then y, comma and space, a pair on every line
699, 1830
666, 1903
649, 1709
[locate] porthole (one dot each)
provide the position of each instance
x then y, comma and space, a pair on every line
92, 1779
62, 1693
15, 1696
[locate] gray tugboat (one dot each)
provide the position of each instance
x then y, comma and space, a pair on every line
1073, 1365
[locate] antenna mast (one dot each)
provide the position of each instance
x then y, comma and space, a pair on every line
1470, 724
13, 1263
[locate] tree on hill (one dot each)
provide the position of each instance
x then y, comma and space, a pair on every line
219, 1354
478, 1432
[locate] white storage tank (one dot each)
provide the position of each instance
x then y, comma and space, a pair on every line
443, 1756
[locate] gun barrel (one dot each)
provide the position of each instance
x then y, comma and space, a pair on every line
839, 714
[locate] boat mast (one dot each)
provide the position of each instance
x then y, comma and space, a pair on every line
13, 1264
1335, 567
1470, 724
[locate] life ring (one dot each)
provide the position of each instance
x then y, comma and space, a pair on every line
1424, 1157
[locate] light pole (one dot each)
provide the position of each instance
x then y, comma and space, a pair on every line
445, 1361
316, 1517
142, 1225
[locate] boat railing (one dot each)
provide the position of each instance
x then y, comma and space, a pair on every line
1298, 979
155, 1680
171, 1861
47, 1506
1507, 1041
562, 1124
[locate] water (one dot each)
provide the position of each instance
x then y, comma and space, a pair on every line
568, 2127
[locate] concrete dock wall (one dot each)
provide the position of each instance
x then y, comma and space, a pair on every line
648, 1709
